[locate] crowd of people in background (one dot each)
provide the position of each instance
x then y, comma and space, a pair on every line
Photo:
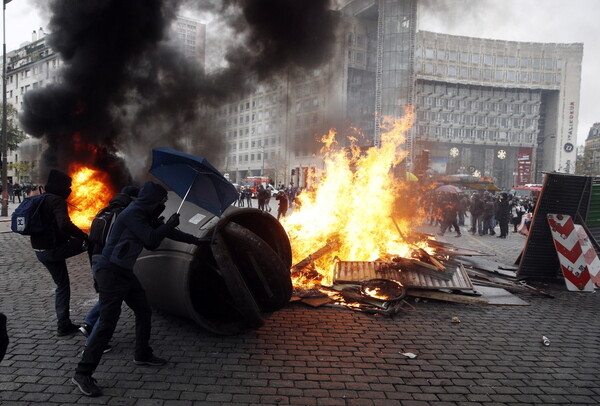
286, 196
489, 213
17, 192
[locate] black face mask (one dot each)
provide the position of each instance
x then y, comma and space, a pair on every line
157, 210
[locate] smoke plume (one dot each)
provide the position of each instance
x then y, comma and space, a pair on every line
124, 88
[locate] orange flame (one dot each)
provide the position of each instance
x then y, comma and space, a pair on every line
91, 191
354, 204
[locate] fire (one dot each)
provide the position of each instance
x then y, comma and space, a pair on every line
354, 207
91, 191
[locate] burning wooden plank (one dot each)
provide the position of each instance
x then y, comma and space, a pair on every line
425, 268
330, 246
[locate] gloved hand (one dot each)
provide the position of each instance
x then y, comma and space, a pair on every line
173, 221
85, 245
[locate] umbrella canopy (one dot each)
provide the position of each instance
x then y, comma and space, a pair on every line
194, 179
448, 189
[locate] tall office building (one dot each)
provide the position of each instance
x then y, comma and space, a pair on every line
35, 65
499, 108
190, 37
485, 107
32, 66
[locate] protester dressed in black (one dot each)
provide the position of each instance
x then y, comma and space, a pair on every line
136, 227
283, 204
503, 214
96, 244
60, 239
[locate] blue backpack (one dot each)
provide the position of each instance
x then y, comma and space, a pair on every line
27, 217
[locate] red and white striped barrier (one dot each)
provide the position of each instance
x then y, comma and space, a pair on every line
578, 259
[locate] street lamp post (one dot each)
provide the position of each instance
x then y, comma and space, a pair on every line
4, 211
262, 148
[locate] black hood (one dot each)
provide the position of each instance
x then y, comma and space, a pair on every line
58, 183
120, 199
150, 197
127, 194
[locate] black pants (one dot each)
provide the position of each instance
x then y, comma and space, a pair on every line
114, 288
3, 336
503, 223
54, 261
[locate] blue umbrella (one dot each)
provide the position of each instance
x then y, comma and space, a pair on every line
194, 179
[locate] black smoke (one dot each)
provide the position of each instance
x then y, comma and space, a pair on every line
124, 88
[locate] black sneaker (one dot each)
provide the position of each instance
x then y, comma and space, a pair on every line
87, 385
152, 361
86, 329
67, 330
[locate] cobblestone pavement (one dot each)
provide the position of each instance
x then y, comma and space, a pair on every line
311, 356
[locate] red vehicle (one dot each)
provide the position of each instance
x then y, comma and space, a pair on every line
526, 191
253, 182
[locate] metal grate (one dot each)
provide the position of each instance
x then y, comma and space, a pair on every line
358, 271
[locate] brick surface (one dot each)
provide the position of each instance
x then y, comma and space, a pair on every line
311, 356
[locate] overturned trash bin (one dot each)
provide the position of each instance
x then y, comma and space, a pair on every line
227, 285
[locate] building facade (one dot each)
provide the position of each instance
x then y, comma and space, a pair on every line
32, 66
591, 153
499, 108
489, 107
35, 65
190, 38
485, 107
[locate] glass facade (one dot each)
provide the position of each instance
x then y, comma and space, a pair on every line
395, 58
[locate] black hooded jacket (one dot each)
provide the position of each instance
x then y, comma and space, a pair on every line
137, 227
58, 227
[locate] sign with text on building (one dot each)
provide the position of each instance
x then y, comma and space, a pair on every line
523, 166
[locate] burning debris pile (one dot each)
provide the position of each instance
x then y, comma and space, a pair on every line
352, 235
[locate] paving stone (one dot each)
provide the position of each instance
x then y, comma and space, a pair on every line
308, 356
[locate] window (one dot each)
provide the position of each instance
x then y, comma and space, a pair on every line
499, 75
524, 63
488, 60
512, 62
475, 74
511, 76
441, 55
451, 70
464, 73
429, 53
452, 56
475, 59
536, 63
548, 63
499, 61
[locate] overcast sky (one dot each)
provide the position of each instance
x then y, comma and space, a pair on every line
515, 20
